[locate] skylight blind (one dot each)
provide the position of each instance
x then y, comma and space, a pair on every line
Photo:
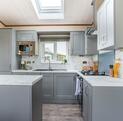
49, 9
51, 4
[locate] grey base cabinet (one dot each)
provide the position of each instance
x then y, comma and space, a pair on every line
47, 87
20, 102
64, 87
58, 88
102, 103
87, 101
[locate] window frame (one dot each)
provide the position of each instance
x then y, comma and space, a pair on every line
48, 14
49, 9
55, 51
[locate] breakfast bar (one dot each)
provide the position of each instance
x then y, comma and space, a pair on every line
20, 98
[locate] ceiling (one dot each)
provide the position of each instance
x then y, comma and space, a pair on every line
21, 12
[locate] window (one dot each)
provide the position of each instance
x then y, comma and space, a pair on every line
56, 51
50, 4
49, 9
49, 51
61, 51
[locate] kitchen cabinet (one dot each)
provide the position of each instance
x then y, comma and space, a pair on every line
47, 87
77, 41
110, 27
87, 101
102, 99
21, 101
91, 44
102, 40
64, 87
56, 87
7, 50
96, 6
28, 35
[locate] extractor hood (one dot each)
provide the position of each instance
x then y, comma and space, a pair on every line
91, 31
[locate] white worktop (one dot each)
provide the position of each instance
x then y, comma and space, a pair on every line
32, 71
19, 79
102, 80
92, 80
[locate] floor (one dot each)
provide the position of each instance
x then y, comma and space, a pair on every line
56, 112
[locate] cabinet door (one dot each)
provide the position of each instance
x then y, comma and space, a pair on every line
47, 87
110, 22
5, 49
99, 29
106, 25
64, 86
87, 101
78, 43
102, 27
91, 45
26, 35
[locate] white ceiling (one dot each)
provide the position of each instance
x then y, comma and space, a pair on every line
21, 12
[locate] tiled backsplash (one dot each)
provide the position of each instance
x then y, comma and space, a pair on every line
75, 62
105, 60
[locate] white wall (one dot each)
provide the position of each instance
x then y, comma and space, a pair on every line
51, 28
1, 25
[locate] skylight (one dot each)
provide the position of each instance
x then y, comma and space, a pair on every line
49, 9
51, 4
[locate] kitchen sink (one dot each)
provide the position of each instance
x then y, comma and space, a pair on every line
49, 70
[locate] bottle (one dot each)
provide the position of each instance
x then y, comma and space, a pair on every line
111, 71
116, 68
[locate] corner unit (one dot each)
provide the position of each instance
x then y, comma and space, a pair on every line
29, 38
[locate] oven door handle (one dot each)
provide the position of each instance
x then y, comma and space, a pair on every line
86, 90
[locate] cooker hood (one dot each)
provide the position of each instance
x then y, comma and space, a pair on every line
91, 31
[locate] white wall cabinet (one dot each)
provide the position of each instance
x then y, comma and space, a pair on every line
110, 25
7, 50
28, 35
77, 40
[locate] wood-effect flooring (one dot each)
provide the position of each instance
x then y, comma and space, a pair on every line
60, 112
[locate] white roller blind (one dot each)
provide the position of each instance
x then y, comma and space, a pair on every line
51, 4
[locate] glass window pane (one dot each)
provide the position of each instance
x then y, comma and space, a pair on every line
49, 51
61, 51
